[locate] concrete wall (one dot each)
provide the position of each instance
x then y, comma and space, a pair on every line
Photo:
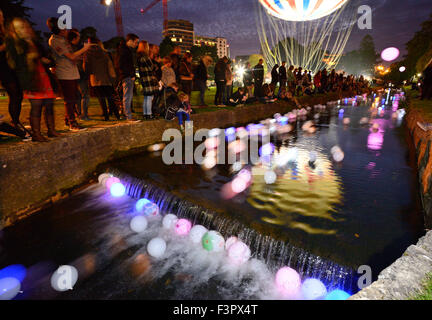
33, 174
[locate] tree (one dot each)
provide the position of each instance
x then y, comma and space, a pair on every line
199, 51
166, 47
367, 55
15, 8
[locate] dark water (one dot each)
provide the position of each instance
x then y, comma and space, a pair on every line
324, 220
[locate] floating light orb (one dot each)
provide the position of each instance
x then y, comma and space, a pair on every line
337, 295
156, 247
288, 281
183, 227
313, 289
270, 177
117, 190
196, 233
338, 156
110, 181
238, 253
169, 221
9, 288
390, 54
213, 241
138, 224
402, 69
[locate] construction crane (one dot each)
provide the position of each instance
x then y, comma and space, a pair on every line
118, 15
165, 10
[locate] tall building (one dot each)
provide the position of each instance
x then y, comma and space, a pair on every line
222, 47
181, 33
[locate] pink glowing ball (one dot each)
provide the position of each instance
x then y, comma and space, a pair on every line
230, 241
110, 181
238, 185
390, 54
238, 253
288, 281
183, 227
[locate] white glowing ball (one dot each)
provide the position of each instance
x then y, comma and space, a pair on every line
183, 227
9, 288
346, 121
169, 221
335, 149
196, 233
230, 241
104, 176
313, 289
213, 241
64, 278
338, 156
214, 132
238, 253
138, 224
118, 190
270, 177
156, 247
288, 281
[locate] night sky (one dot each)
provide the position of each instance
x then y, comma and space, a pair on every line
394, 21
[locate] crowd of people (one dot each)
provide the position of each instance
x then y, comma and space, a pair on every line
75, 69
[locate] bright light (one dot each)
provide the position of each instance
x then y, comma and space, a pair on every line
402, 69
106, 2
301, 10
118, 190
390, 54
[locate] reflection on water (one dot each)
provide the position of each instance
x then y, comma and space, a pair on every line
304, 189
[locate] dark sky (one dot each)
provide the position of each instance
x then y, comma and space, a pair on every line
394, 21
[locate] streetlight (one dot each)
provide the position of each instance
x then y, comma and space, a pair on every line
106, 2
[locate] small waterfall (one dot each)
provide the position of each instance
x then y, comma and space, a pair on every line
275, 253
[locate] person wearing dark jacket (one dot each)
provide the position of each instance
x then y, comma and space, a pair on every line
201, 77
248, 79
175, 56
283, 77
98, 65
125, 68
238, 97
275, 77
258, 76
220, 74
186, 74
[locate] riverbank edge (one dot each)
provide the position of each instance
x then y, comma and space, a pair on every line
405, 277
34, 175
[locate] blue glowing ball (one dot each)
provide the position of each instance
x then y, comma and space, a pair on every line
140, 204
338, 295
313, 289
283, 120
266, 150
16, 271
230, 131
341, 111
9, 288
118, 190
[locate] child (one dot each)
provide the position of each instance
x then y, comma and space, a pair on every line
184, 110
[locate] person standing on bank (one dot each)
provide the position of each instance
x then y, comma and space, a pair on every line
149, 82
98, 65
125, 67
66, 70
229, 83
201, 76
258, 76
274, 77
283, 76
186, 74
220, 79
31, 63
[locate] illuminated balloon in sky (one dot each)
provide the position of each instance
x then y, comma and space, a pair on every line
390, 54
301, 10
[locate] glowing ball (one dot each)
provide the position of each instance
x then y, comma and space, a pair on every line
110, 181
238, 185
156, 247
9, 288
313, 289
196, 233
402, 69
266, 149
64, 278
335, 149
103, 176
138, 224
147, 207
238, 253
16, 271
183, 227
230, 241
270, 177
140, 204
301, 10
169, 221
337, 295
288, 281
338, 156
117, 190
390, 54
213, 241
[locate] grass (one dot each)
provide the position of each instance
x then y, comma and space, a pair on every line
426, 293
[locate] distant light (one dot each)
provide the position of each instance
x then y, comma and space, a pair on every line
390, 54
117, 190
402, 69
